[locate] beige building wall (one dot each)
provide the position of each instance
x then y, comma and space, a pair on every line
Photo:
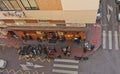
49, 4
74, 11
86, 16
80, 4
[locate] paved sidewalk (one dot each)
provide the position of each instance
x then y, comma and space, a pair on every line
94, 37
76, 49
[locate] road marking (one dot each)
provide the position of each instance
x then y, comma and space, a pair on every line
13, 71
108, 17
66, 60
64, 71
110, 8
25, 66
116, 40
110, 39
35, 59
104, 39
66, 66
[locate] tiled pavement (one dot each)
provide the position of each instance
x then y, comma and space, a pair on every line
93, 36
76, 49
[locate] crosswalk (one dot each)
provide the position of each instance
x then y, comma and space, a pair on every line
65, 66
110, 40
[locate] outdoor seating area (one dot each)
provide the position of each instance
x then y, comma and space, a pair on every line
33, 51
55, 46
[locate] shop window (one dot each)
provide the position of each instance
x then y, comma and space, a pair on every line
60, 25
9, 21
31, 21
29, 4
57, 21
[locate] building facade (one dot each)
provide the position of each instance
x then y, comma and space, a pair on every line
35, 17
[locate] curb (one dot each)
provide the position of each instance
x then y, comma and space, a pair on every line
96, 49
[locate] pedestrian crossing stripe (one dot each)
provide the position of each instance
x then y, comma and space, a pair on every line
116, 40
65, 71
104, 39
66, 66
112, 40
66, 60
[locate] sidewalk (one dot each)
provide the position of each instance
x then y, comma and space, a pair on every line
76, 49
94, 37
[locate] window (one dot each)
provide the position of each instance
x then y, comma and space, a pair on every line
2, 6
33, 4
26, 4
9, 5
29, 4
15, 4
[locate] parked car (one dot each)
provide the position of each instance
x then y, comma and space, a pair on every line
3, 64
117, 1
118, 12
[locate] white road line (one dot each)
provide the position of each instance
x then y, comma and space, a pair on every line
66, 60
119, 35
104, 39
110, 39
65, 71
116, 40
66, 66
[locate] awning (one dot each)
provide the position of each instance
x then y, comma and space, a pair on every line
41, 28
